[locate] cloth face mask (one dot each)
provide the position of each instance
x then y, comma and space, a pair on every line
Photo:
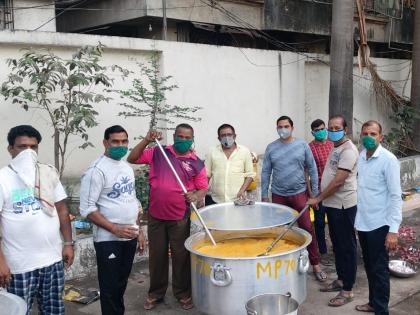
369, 142
24, 164
320, 135
117, 153
336, 136
182, 145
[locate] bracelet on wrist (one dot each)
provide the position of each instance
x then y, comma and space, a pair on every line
69, 243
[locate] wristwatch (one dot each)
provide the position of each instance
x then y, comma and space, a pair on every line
69, 243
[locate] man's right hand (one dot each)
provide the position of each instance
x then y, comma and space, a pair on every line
153, 135
125, 231
5, 274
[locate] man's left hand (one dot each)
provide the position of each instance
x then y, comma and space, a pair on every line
313, 202
391, 241
191, 197
68, 256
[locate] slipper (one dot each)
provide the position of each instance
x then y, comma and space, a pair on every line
186, 303
332, 287
365, 308
340, 300
150, 303
321, 276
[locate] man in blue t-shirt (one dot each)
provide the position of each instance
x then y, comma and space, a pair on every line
285, 161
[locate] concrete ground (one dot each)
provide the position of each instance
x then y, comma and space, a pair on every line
405, 293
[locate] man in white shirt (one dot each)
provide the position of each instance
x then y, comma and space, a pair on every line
229, 168
108, 199
379, 214
33, 212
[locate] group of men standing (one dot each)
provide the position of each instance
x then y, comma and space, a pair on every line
356, 191
322, 174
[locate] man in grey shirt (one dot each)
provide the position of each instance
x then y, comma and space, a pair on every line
339, 197
108, 199
285, 161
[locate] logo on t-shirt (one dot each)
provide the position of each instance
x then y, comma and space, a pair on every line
125, 186
23, 200
335, 157
187, 166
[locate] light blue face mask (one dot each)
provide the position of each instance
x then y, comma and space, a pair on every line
336, 136
227, 141
284, 133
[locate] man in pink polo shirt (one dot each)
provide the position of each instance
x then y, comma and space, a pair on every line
169, 211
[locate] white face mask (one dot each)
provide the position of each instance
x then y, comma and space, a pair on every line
24, 164
284, 133
227, 141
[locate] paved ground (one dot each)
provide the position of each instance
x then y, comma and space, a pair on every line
405, 293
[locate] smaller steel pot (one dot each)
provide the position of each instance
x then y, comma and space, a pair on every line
272, 304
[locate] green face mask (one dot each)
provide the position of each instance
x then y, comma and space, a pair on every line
182, 145
117, 153
320, 135
369, 143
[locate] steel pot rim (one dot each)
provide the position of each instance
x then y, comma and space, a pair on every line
190, 240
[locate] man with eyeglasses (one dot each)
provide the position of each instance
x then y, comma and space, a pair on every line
339, 197
321, 148
229, 168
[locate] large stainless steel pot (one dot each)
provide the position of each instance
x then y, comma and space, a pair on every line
228, 217
223, 285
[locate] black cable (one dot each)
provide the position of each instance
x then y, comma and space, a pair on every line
57, 15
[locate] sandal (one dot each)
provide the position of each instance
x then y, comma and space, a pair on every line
365, 308
332, 287
321, 276
340, 299
186, 303
150, 303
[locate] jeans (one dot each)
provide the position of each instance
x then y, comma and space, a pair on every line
376, 258
319, 224
343, 238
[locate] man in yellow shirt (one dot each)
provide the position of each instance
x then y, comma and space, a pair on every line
229, 168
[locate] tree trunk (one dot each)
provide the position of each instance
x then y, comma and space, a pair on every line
415, 81
341, 61
57, 149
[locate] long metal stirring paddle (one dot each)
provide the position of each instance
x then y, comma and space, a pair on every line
269, 248
185, 191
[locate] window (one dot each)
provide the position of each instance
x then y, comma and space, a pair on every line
6, 14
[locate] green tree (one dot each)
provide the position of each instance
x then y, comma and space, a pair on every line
64, 88
146, 96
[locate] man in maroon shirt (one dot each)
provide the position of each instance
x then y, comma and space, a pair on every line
321, 148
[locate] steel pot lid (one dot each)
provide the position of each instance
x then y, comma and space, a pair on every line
229, 217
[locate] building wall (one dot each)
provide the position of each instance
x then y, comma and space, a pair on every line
244, 87
115, 11
27, 18
285, 15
